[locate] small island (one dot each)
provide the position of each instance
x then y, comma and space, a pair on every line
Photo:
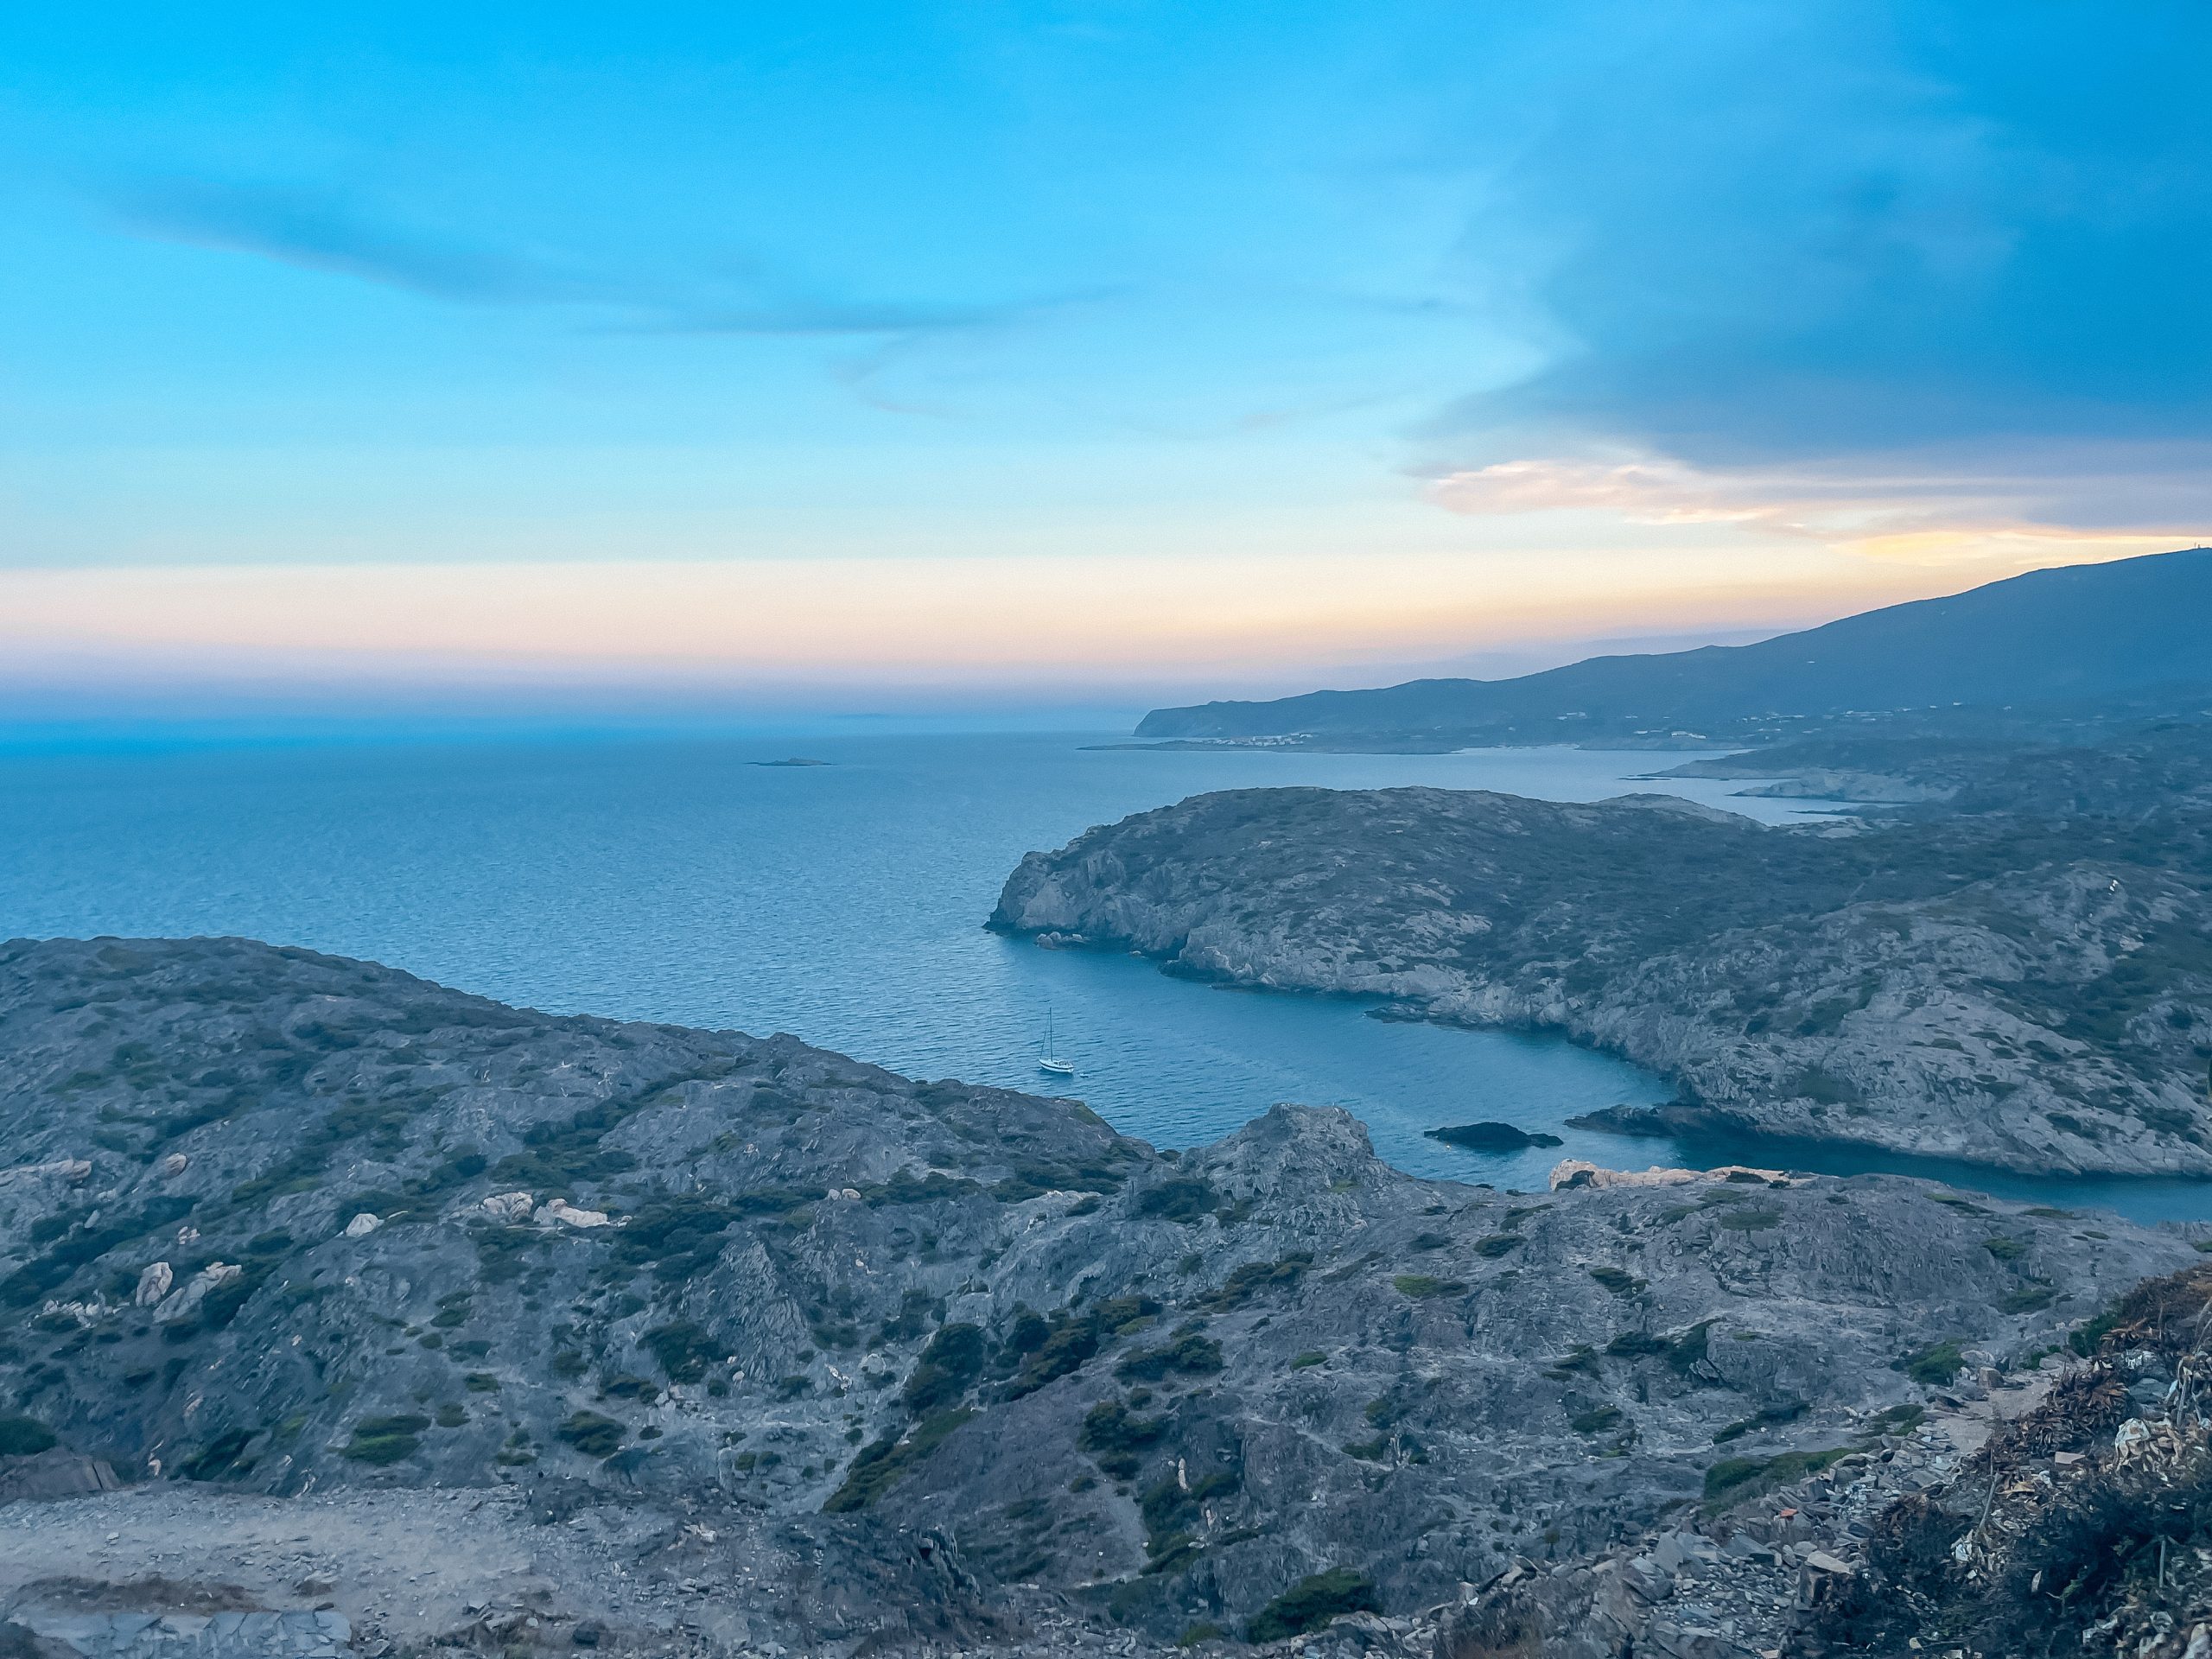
795, 760
1491, 1137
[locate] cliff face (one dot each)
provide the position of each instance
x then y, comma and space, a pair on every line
2038, 997
870, 1358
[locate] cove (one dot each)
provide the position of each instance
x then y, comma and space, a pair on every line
681, 880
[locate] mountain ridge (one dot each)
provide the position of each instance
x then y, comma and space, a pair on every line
2073, 634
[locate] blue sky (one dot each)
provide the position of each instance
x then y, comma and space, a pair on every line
1072, 349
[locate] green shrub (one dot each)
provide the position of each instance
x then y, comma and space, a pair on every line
1114, 1435
219, 1457
83, 1246
1185, 1199
1311, 1357
1617, 1280
1190, 1354
1934, 1365
678, 1238
1421, 1285
1964, 1206
1898, 1419
380, 1441
683, 1349
1685, 1352
1073, 1338
1596, 1421
1770, 1417
1822, 1088
1749, 1218
936, 1187
2086, 1340
1498, 1244
877, 1467
1312, 1602
1169, 1509
1033, 1178
592, 1434
1734, 1480
1253, 1277
1581, 1360
948, 1367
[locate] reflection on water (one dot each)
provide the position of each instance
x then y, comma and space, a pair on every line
677, 880
1237, 1052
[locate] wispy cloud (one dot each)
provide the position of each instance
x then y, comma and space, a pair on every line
324, 231
319, 230
820, 316
1901, 505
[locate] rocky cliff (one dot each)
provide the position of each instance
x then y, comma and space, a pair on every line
2035, 994
803, 1352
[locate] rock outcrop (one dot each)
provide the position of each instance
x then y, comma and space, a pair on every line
2035, 995
866, 1360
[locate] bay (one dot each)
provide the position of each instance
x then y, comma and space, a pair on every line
693, 880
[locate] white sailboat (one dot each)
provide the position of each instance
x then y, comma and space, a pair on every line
1047, 1061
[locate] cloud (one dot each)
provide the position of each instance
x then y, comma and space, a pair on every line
816, 316
1765, 234
1898, 506
323, 231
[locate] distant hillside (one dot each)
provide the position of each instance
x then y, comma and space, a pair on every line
2081, 635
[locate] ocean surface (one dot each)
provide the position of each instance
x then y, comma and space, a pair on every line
683, 880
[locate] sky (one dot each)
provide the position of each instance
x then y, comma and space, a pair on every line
1102, 352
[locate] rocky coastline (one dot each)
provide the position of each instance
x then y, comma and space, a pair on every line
491, 1327
2036, 997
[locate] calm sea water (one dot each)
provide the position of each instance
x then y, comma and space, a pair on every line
678, 880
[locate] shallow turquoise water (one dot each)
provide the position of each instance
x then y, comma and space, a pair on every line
675, 879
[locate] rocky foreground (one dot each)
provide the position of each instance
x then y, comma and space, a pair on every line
2033, 993
328, 1291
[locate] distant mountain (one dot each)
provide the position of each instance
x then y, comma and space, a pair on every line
2083, 634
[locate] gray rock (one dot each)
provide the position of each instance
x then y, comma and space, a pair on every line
1922, 988
1032, 1364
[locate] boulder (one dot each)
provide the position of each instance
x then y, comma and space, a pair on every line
54, 1473
1576, 1172
1823, 1580
260, 1633
153, 1285
70, 1172
363, 1224
183, 1302
508, 1206
560, 1211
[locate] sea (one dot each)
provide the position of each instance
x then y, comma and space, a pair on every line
694, 878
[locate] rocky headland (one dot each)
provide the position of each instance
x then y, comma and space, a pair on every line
333, 1293
2032, 990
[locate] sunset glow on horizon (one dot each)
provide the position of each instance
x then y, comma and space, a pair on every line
1071, 346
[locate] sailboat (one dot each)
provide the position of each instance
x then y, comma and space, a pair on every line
1047, 1061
